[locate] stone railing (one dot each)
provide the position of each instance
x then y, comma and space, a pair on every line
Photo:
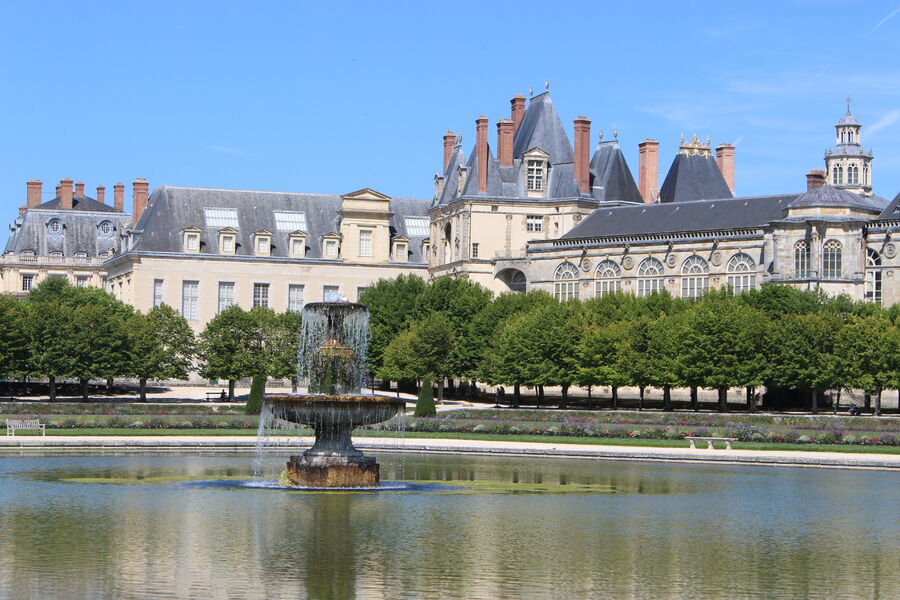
19, 259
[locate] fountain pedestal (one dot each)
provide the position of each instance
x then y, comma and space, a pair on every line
333, 471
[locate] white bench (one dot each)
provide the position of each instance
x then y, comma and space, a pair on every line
710, 440
13, 424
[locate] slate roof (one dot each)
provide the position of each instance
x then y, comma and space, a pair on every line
828, 196
892, 210
611, 178
541, 128
81, 231
171, 209
702, 215
693, 177
848, 119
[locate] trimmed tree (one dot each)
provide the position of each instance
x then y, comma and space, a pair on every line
162, 346
390, 303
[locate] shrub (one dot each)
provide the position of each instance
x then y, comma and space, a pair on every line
425, 404
254, 400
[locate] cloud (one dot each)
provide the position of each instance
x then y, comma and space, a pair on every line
883, 21
885, 121
226, 150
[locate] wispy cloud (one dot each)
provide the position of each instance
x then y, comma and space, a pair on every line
885, 121
883, 21
227, 150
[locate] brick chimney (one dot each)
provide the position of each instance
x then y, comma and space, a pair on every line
725, 160
481, 151
119, 197
648, 170
449, 143
79, 189
139, 199
505, 131
582, 154
33, 193
517, 111
101, 194
815, 179
65, 193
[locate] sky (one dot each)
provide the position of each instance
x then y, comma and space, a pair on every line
332, 97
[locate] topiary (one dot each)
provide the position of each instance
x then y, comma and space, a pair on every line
254, 400
425, 403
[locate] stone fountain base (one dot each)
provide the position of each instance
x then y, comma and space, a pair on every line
333, 471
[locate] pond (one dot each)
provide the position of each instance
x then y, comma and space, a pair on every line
186, 526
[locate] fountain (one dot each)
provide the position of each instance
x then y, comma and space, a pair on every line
332, 361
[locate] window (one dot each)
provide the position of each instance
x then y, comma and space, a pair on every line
474, 249
81, 281
694, 277
192, 242
227, 243
650, 278
54, 226
416, 226
331, 293
28, 256
741, 273
360, 290
873, 276
27, 282
190, 296
365, 242
865, 174
608, 278
566, 286
221, 217
263, 243
290, 221
801, 260
331, 248
226, 295
831, 259
81, 257
837, 174
260, 294
295, 297
535, 175
55, 255
298, 246
534, 223
853, 174
105, 227
157, 292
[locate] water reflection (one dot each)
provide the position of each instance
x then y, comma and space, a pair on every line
670, 531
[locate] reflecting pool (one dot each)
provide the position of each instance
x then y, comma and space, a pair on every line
187, 526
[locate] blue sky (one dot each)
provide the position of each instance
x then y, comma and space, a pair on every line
333, 97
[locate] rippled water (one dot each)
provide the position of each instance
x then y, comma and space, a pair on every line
183, 526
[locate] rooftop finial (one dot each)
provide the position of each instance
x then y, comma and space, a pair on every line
601, 135
616, 133
695, 147
531, 92
547, 84
848, 100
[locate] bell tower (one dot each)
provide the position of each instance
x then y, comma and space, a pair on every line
848, 166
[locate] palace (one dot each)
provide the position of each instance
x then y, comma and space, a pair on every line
534, 213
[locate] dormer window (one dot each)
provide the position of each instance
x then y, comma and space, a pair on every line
190, 239
54, 226
81, 257
262, 243
56, 255
331, 245
297, 244
400, 251
535, 175
365, 242
331, 248
227, 240
536, 172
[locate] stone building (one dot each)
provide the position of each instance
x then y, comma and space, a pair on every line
201, 249
69, 236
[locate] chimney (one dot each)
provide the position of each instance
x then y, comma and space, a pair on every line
79, 189
505, 130
815, 179
101, 194
65, 193
648, 170
119, 197
449, 143
139, 199
481, 150
33, 194
725, 160
518, 111
582, 154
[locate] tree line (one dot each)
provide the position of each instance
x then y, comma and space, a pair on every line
777, 336
60, 331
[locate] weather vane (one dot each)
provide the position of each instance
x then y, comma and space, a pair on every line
848, 100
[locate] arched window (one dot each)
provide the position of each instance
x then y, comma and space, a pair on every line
831, 259
650, 277
566, 286
741, 273
54, 226
694, 277
873, 276
838, 175
608, 277
801, 259
853, 174
865, 175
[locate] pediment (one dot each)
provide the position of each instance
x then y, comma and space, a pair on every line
536, 152
365, 194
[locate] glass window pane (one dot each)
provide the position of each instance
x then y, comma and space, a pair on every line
221, 217
290, 221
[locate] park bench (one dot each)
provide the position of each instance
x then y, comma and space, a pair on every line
210, 396
13, 424
709, 441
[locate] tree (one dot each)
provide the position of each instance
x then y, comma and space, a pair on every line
50, 339
99, 345
868, 352
599, 357
636, 355
802, 353
425, 403
58, 289
390, 303
661, 355
432, 343
162, 346
13, 340
225, 345
399, 362
778, 300
284, 344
